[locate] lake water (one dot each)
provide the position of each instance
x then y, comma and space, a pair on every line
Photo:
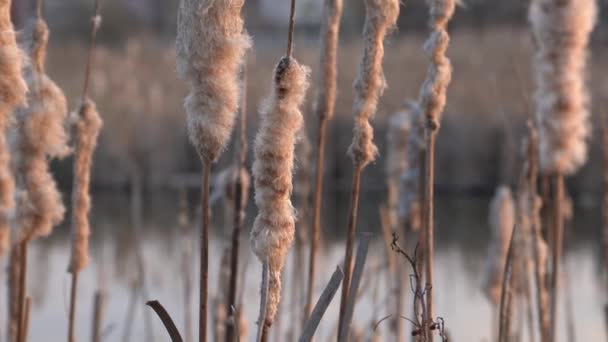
461, 245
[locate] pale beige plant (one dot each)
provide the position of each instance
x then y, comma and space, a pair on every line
12, 94
281, 119
562, 30
85, 129
211, 46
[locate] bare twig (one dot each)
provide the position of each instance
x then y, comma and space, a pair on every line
166, 319
317, 313
354, 285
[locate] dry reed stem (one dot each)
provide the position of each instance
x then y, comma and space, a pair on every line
381, 16
504, 326
562, 29
23, 246
604, 137
166, 319
27, 313
72, 313
557, 248
281, 119
262, 327
14, 275
12, 94
433, 96
211, 46
502, 221
317, 313
98, 312
325, 106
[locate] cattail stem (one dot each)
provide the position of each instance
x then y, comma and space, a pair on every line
23, 245
504, 326
72, 307
429, 183
98, 309
292, 25
204, 267
350, 241
239, 214
558, 236
27, 317
96, 21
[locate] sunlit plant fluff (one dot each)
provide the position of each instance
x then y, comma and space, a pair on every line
381, 16
86, 126
409, 199
561, 31
211, 45
12, 94
281, 120
433, 93
502, 221
39, 136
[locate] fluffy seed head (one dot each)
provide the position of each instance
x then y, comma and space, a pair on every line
39, 135
330, 30
502, 221
86, 127
211, 45
562, 29
433, 94
281, 119
381, 15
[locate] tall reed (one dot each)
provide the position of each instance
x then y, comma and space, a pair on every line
86, 125
325, 105
433, 97
381, 16
39, 136
281, 119
211, 45
561, 30
13, 94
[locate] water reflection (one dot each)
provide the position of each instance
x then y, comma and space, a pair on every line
462, 238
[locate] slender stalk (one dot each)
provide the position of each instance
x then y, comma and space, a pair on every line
98, 308
316, 218
429, 183
505, 296
26, 317
558, 236
204, 267
239, 214
292, 24
350, 241
166, 319
22, 284
326, 297
262, 331
72, 307
90, 56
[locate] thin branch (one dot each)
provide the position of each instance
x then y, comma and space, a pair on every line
166, 319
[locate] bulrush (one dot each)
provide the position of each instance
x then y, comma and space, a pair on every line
281, 120
381, 16
211, 45
12, 94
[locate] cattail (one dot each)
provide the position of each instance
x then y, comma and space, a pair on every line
12, 94
562, 30
502, 221
211, 46
281, 119
409, 201
381, 15
86, 127
433, 93
40, 134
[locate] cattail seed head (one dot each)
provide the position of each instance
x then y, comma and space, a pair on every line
433, 94
502, 222
409, 201
211, 45
39, 135
12, 94
86, 127
281, 119
330, 30
381, 15
562, 29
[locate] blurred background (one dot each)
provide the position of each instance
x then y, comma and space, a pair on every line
144, 160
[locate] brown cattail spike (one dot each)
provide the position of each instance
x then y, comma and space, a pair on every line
12, 94
381, 15
281, 119
86, 127
211, 45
